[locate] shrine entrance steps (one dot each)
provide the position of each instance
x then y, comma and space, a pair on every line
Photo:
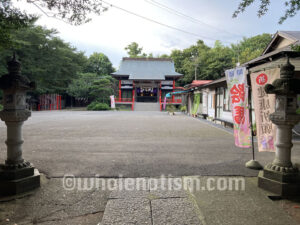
146, 106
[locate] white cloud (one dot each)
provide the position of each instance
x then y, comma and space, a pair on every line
113, 30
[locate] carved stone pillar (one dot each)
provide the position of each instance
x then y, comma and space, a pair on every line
16, 175
281, 176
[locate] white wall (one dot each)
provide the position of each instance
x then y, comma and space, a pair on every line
211, 105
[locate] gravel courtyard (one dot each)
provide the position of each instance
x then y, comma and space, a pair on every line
131, 144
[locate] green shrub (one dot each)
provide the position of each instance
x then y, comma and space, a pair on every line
183, 108
170, 108
1, 107
97, 106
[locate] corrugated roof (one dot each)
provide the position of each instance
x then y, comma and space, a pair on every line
147, 68
220, 80
269, 53
269, 56
197, 83
294, 36
205, 84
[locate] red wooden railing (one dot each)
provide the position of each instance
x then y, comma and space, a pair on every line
126, 100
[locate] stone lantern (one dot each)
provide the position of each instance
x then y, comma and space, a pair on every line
16, 175
281, 176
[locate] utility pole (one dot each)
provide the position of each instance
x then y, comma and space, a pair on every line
196, 65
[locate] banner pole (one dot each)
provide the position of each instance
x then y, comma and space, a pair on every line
252, 164
251, 122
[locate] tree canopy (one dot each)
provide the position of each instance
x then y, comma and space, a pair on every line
211, 62
57, 67
46, 59
250, 48
92, 87
11, 19
99, 63
134, 51
292, 8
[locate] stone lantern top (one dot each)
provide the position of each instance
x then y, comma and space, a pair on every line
14, 79
287, 70
286, 84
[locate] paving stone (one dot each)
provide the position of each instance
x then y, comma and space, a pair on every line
129, 194
127, 211
131, 188
52, 204
251, 206
167, 188
174, 211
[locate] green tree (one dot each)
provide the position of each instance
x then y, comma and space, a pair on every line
163, 56
74, 12
250, 48
210, 63
11, 19
80, 88
296, 48
101, 90
292, 8
133, 50
99, 63
203, 60
215, 62
45, 58
90, 87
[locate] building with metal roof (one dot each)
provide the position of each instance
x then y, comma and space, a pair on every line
146, 80
147, 69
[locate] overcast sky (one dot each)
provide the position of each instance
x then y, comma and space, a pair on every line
112, 31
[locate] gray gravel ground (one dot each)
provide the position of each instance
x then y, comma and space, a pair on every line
137, 144
134, 144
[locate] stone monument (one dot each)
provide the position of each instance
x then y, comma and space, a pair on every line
281, 176
16, 175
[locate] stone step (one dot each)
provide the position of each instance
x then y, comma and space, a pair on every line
149, 207
146, 106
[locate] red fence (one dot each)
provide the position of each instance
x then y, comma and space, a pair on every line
49, 102
126, 100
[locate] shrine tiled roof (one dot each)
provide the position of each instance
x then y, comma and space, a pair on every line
147, 69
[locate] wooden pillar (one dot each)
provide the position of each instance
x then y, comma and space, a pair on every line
133, 93
173, 91
60, 101
120, 91
160, 105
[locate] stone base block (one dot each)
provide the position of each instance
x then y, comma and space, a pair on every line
19, 185
16, 174
277, 183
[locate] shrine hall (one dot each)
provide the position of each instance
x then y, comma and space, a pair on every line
146, 80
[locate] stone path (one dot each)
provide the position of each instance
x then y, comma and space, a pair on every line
152, 207
147, 107
53, 205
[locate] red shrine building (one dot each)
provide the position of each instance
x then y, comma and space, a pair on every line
146, 80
